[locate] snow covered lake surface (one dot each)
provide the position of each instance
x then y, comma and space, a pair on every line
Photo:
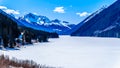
72, 52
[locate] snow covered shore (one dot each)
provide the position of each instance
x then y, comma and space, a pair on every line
72, 52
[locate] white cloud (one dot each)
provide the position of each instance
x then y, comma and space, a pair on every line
9, 11
59, 10
83, 14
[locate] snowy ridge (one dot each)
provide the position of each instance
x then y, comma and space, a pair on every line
87, 19
106, 29
24, 23
114, 25
102, 23
41, 23
11, 17
37, 27
43, 20
47, 24
94, 14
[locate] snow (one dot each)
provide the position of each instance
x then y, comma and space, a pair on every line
106, 29
66, 25
73, 52
109, 28
94, 14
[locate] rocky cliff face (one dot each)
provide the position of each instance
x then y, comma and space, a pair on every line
104, 24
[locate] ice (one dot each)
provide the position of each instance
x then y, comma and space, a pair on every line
72, 52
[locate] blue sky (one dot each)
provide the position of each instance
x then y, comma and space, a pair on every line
72, 11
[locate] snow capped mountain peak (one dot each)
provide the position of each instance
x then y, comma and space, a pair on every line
36, 19
56, 25
43, 20
39, 22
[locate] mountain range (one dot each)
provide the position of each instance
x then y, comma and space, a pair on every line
105, 22
102, 23
44, 23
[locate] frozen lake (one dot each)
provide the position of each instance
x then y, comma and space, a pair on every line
73, 52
